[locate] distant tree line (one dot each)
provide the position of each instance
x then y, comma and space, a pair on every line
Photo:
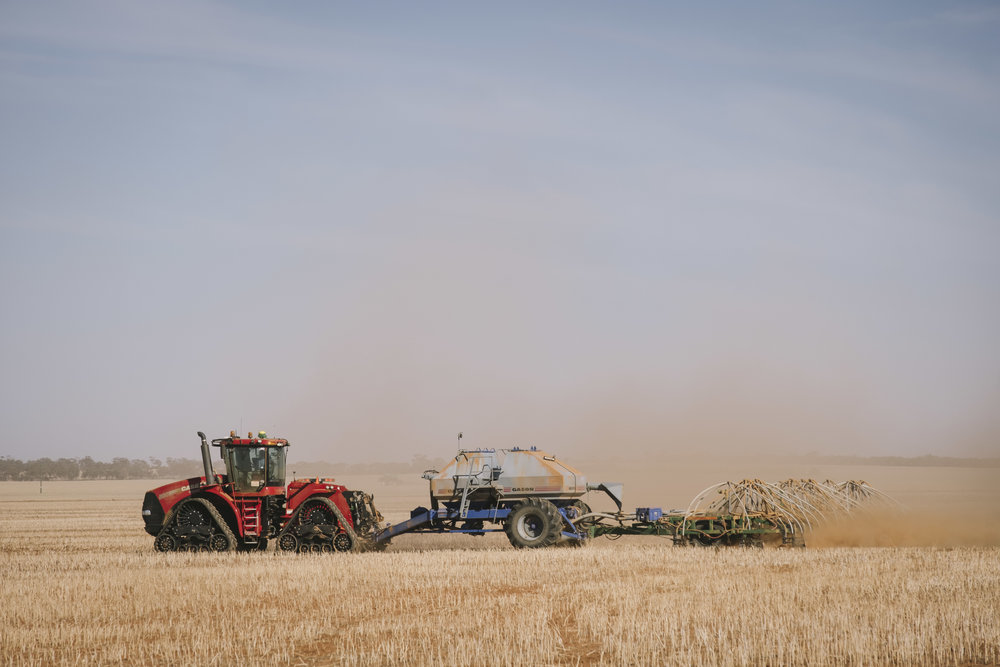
87, 468
122, 468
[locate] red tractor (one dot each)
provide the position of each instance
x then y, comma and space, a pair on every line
250, 505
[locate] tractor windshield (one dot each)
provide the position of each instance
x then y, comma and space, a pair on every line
251, 468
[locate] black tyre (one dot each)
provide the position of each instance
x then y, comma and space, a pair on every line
533, 524
575, 510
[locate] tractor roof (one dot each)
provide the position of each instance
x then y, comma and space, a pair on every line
250, 442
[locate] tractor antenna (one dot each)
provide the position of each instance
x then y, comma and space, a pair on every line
459, 439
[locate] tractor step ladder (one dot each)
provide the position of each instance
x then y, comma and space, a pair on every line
250, 516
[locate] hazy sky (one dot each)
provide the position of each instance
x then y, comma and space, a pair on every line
615, 227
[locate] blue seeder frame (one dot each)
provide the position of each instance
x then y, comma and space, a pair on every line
423, 520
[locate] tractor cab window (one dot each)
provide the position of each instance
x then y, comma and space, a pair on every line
251, 468
276, 466
246, 468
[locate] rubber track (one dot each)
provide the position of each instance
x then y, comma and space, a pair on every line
355, 543
212, 512
355, 546
220, 522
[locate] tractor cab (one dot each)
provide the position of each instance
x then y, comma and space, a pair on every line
254, 463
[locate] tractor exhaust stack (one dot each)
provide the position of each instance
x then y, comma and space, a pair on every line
206, 459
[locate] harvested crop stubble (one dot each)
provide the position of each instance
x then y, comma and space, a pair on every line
97, 593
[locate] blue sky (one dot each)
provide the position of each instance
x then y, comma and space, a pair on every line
644, 227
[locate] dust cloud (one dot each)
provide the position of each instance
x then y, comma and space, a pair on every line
971, 527
503, 334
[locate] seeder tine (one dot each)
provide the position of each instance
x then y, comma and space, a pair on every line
794, 505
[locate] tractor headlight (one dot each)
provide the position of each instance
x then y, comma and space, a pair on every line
147, 512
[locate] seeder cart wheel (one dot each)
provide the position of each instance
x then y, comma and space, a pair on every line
534, 523
575, 510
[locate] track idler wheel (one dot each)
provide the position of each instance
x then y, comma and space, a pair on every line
165, 542
288, 542
343, 542
219, 542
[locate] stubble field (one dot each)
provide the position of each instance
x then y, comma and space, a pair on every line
81, 585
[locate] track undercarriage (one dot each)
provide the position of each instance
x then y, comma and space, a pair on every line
195, 525
318, 526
